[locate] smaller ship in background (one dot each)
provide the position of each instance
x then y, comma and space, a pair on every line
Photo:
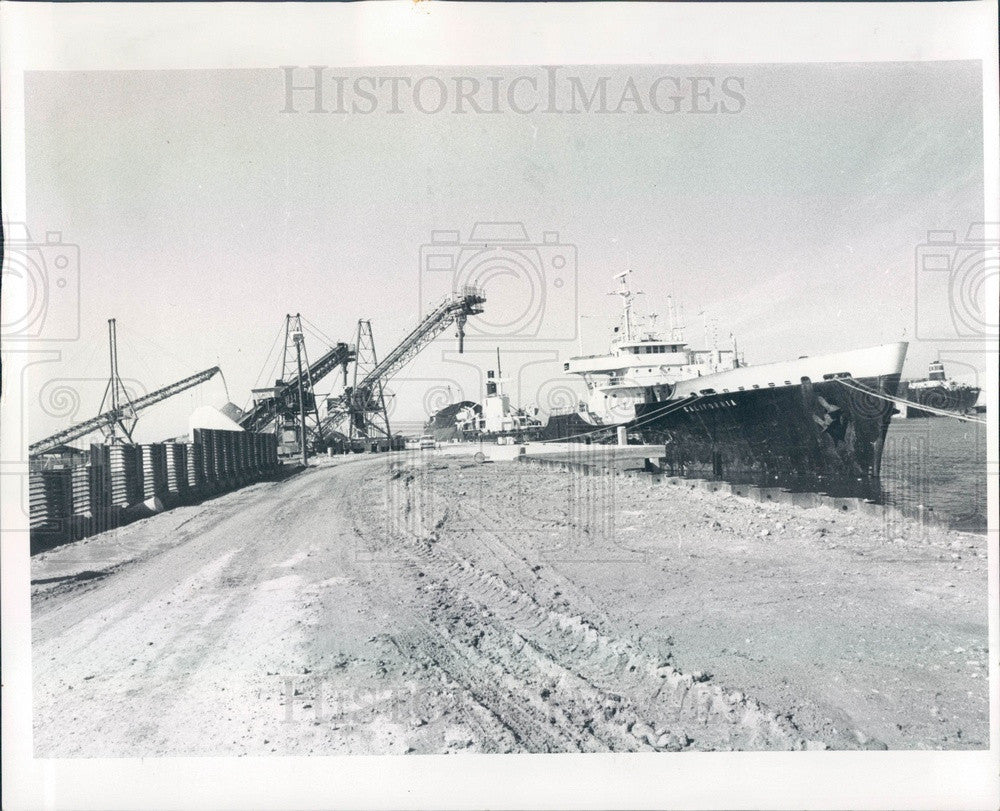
443, 424
495, 419
938, 392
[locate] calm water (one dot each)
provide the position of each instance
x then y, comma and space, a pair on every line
941, 464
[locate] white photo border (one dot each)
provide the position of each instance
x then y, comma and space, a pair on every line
120, 36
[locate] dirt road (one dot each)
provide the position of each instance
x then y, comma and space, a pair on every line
430, 604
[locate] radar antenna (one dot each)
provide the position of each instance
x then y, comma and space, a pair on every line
626, 294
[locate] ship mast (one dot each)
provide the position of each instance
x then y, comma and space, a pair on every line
626, 294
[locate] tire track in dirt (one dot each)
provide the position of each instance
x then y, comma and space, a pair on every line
552, 677
801, 715
459, 639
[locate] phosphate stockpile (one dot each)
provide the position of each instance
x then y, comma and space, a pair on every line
116, 484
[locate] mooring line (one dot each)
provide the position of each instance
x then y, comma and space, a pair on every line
669, 409
888, 398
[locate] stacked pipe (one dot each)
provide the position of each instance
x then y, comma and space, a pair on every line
113, 484
205, 440
195, 467
126, 474
50, 501
154, 471
177, 471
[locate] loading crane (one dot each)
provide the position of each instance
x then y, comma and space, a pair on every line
118, 421
283, 398
363, 403
113, 417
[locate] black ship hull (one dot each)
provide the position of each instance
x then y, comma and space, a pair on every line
814, 434
956, 399
501, 437
574, 428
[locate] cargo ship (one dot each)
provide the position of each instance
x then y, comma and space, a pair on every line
939, 393
443, 424
822, 417
494, 420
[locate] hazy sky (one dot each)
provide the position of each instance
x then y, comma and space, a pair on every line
203, 213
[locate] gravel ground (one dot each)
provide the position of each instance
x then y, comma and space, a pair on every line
426, 604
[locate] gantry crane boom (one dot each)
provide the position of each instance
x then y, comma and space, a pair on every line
264, 411
456, 308
109, 417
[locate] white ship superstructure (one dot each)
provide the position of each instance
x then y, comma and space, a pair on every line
640, 358
936, 378
495, 416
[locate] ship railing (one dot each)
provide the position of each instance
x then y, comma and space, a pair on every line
591, 357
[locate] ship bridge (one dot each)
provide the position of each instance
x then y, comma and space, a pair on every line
629, 355
652, 347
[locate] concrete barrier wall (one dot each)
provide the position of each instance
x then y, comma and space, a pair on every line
577, 450
110, 488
